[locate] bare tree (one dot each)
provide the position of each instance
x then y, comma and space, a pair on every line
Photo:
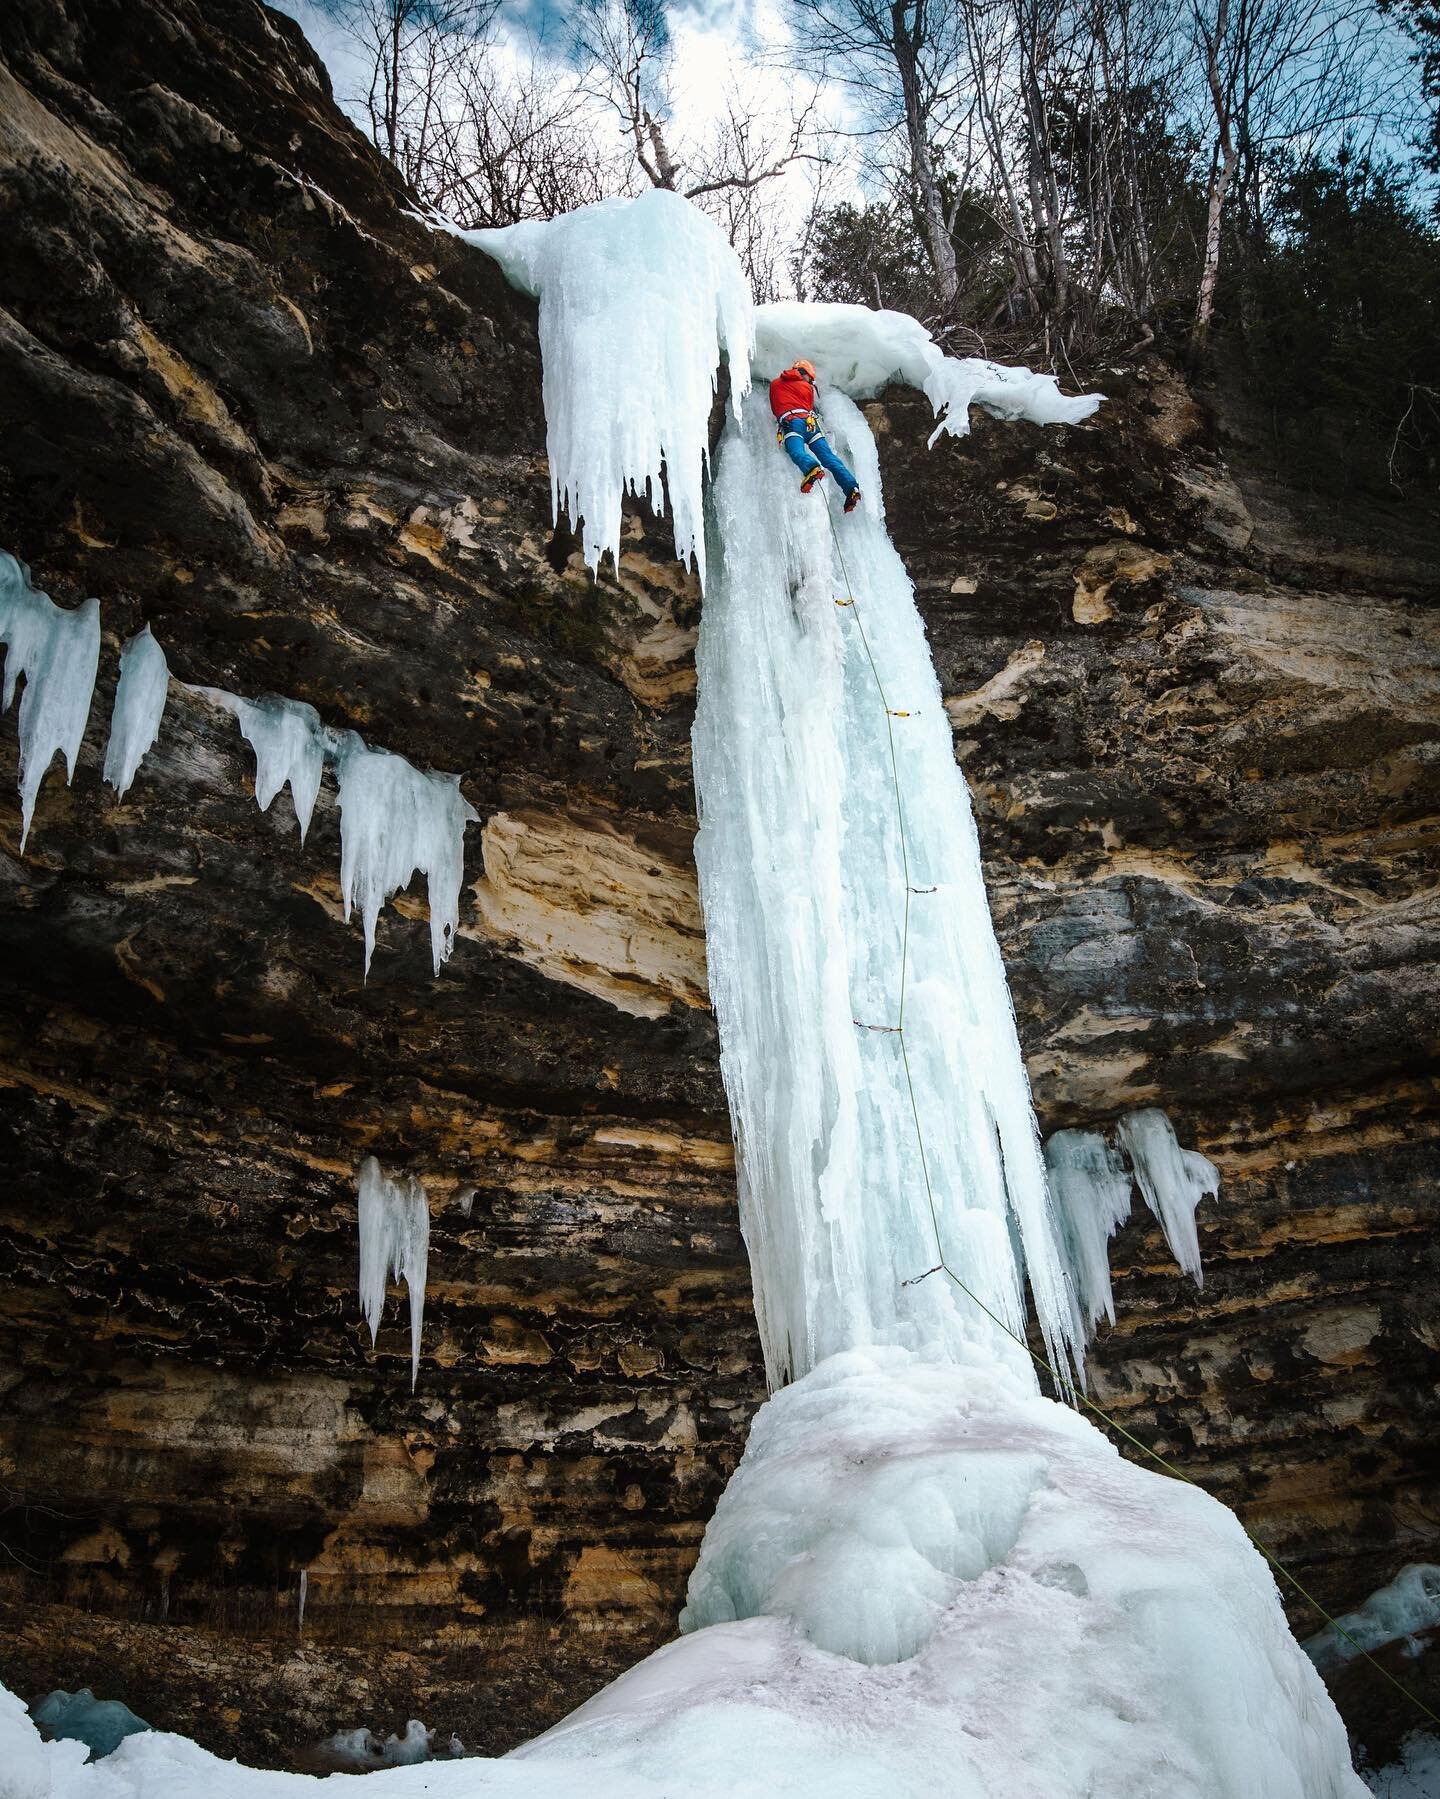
410, 50
517, 142
624, 46
901, 60
1278, 73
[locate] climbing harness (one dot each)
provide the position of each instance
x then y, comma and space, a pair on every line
897, 1030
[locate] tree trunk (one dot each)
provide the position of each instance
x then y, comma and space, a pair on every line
905, 46
1222, 169
1220, 176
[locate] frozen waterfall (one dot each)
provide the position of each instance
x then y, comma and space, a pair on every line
803, 881
923, 1577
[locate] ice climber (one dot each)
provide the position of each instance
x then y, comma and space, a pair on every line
792, 400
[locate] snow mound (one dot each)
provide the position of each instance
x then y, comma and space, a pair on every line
858, 352
909, 1510
139, 706
57, 652
638, 301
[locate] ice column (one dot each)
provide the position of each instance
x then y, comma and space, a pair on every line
395, 819
1172, 1180
800, 856
638, 301
802, 879
57, 651
394, 1242
139, 706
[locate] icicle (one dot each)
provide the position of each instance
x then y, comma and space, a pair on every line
1090, 1188
638, 299
58, 652
290, 745
1172, 1180
301, 1597
395, 819
394, 1241
139, 706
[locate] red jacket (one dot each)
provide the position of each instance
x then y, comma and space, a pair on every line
792, 392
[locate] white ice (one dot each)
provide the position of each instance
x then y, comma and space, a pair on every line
639, 300
1398, 1612
57, 651
291, 747
361, 1750
395, 820
1090, 1190
394, 1218
802, 878
1172, 1182
139, 706
857, 352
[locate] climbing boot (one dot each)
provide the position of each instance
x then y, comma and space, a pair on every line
853, 501
808, 481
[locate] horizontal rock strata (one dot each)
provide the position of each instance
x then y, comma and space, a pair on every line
252, 402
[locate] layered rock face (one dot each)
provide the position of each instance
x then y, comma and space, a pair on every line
250, 400
1202, 744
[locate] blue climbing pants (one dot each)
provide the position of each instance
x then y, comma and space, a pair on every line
806, 445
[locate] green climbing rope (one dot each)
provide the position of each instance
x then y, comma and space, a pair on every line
942, 1266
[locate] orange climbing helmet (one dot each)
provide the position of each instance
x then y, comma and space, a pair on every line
805, 367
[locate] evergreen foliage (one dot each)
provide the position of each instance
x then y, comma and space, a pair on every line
1340, 309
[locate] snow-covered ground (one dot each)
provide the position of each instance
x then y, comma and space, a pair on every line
1415, 1776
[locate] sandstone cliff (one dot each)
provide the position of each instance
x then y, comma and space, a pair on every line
249, 399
